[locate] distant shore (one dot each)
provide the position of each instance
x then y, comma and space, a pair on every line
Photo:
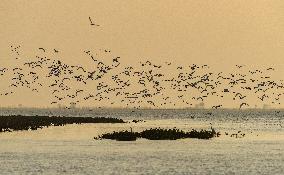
19, 122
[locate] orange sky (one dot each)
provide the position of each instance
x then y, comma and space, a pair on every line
220, 33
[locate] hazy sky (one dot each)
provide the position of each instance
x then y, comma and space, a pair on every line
220, 33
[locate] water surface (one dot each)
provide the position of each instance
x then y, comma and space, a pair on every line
72, 150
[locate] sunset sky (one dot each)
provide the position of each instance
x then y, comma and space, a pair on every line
219, 33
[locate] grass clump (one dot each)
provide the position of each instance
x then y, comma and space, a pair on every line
160, 134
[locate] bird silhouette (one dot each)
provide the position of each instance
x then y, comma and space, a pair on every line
91, 22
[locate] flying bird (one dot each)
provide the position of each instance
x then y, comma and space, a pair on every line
91, 22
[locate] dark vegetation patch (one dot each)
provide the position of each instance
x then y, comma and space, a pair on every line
17, 123
159, 134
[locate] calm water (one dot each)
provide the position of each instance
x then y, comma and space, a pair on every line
72, 150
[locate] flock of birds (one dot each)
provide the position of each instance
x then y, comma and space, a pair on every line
145, 85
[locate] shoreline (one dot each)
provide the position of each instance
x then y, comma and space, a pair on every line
21, 122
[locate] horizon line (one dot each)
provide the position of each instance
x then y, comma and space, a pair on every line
142, 108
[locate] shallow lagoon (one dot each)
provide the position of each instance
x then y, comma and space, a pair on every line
71, 149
